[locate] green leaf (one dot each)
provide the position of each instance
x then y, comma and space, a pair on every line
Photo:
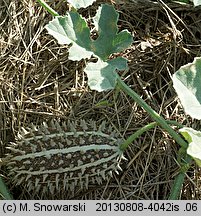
102, 74
197, 2
109, 40
187, 83
81, 3
194, 139
72, 29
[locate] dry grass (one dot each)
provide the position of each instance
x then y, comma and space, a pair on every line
38, 82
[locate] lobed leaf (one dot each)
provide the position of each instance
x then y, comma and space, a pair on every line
109, 40
73, 29
102, 75
187, 83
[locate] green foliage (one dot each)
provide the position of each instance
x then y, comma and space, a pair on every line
194, 139
102, 75
197, 2
73, 29
187, 83
109, 41
4, 192
81, 3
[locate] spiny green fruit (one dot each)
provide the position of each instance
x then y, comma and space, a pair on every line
61, 156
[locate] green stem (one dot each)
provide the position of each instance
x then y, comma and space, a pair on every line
4, 192
156, 117
48, 8
179, 180
134, 136
176, 189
